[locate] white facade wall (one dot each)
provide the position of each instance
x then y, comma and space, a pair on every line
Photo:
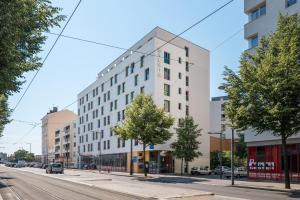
262, 26
267, 23
198, 91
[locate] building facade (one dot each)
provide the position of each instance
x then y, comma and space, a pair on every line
65, 145
176, 76
51, 122
264, 150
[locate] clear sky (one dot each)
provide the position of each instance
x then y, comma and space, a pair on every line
73, 65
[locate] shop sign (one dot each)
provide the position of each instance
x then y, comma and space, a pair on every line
253, 165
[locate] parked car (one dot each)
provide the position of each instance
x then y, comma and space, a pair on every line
217, 170
56, 168
38, 165
238, 172
200, 171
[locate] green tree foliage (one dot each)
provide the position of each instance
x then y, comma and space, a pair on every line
146, 123
186, 147
23, 155
241, 147
4, 112
265, 93
23, 23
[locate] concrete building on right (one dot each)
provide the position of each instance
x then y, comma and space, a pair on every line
264, 150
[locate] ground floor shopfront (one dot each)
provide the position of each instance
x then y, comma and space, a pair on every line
266, 162
156, 161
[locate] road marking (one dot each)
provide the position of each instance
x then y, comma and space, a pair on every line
231, 198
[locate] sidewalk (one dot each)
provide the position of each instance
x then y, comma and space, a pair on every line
251, 184
113, 183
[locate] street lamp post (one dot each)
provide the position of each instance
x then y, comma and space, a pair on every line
131, 163
232, 156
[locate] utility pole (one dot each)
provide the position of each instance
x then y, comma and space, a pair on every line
131, 163
29, 146
232, 156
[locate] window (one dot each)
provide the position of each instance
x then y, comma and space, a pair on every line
108, 95
119, 89
86, 138
142, 61
166, 57
179, 75
142, 89
87, 97
126, 70
187, 110
179, 90
102, 133
111, 106
116, 104
126, 99
136, 142
99, 100
179, 106
99, 123
253, 41
123, 143
290, 2
136, 80
132, 68
108, 120
187, 82
99, 146
186, 51
119, 116
166, 90
123, 114
146, 74
111, 81
186, 66
104, 121
104, 97
131, 96
123, 87
93, 92
96, 90
102, 87
187, 96
111, 131
167, 73
104, 144
116, 78
108, 144
102, 110
167, 106
258, 12
179, 60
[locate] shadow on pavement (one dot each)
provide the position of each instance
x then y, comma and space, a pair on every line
171, 179
294, 194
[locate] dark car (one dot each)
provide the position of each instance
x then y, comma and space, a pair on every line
56, 168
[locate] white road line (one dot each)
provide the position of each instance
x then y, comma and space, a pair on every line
231, 198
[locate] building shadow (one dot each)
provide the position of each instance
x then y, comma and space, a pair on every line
173, 179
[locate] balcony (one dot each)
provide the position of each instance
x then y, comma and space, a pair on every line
251, 4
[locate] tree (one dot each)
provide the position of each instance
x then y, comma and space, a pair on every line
23, 23
265, 93
146, 123
187, 145
241, 147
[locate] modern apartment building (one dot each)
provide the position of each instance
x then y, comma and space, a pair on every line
65, 144
51, 122
262, 17
264, 150
176, 76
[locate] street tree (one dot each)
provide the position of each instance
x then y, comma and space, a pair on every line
145, 122
265, 93
23, 24
22, 154
186, 147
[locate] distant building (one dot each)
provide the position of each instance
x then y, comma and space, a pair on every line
38, 158
65, 145
178, 81
52, 121
3, 157
219, 123
264, 150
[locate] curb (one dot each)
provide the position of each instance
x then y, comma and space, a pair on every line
261, 188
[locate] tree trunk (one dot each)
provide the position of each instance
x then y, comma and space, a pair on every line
187, 167
181, 167
285, 161
144, 157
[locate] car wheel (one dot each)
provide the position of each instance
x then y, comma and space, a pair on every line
209, 173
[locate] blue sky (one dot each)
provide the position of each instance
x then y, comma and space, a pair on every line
73, 65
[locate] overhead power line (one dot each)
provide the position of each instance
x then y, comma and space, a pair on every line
46, 57
227, 39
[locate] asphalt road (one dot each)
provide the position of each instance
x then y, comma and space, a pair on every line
18, 185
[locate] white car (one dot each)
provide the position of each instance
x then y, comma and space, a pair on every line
200, 171
238, 172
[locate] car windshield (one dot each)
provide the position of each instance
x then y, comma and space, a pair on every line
56, 165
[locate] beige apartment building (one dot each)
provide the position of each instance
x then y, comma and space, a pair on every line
54, 120
65, 145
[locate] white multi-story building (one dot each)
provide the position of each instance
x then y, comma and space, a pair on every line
176, 76
264, 150
262, 17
